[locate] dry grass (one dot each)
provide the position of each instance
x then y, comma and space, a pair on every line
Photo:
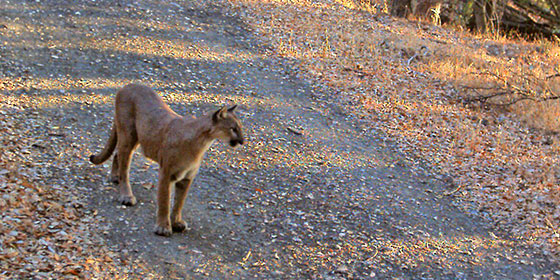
488, 66
416, 82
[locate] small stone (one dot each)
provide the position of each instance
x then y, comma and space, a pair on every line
343, 269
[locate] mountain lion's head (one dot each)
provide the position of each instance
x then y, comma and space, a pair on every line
227, 126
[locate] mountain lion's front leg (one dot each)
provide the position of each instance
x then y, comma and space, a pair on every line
181, 189
163, 222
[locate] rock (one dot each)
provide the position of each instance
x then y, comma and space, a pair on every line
342, 269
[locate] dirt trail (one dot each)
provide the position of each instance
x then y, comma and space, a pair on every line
315, 192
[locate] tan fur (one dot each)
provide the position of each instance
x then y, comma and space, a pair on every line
175, 142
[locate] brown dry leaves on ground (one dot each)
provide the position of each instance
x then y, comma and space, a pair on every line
45, 231
407, 78
381, 73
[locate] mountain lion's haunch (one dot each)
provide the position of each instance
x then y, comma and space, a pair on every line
175, 142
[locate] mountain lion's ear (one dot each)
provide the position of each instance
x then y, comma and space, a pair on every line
232, 108
220, 114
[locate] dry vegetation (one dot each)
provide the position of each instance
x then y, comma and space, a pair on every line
431, 89
45, 231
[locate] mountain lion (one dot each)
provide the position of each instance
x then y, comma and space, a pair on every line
175, 142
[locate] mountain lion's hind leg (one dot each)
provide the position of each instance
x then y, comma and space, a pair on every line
114, 177
124, 155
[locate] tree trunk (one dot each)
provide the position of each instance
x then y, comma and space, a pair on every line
401, 8
527, 16
480, 16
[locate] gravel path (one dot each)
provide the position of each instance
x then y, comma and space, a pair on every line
315, 193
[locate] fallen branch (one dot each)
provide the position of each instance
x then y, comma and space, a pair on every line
510, 91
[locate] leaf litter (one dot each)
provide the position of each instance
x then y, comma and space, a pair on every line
316, 215
386, 70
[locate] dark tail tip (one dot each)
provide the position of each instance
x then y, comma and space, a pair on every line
91, 157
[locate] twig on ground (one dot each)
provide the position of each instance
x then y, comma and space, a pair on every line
295, 131
426, 50
452, 192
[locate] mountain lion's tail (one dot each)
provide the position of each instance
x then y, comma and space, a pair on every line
108, 150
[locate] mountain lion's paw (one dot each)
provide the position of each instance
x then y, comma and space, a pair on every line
179, 226
128, 200
163, 231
